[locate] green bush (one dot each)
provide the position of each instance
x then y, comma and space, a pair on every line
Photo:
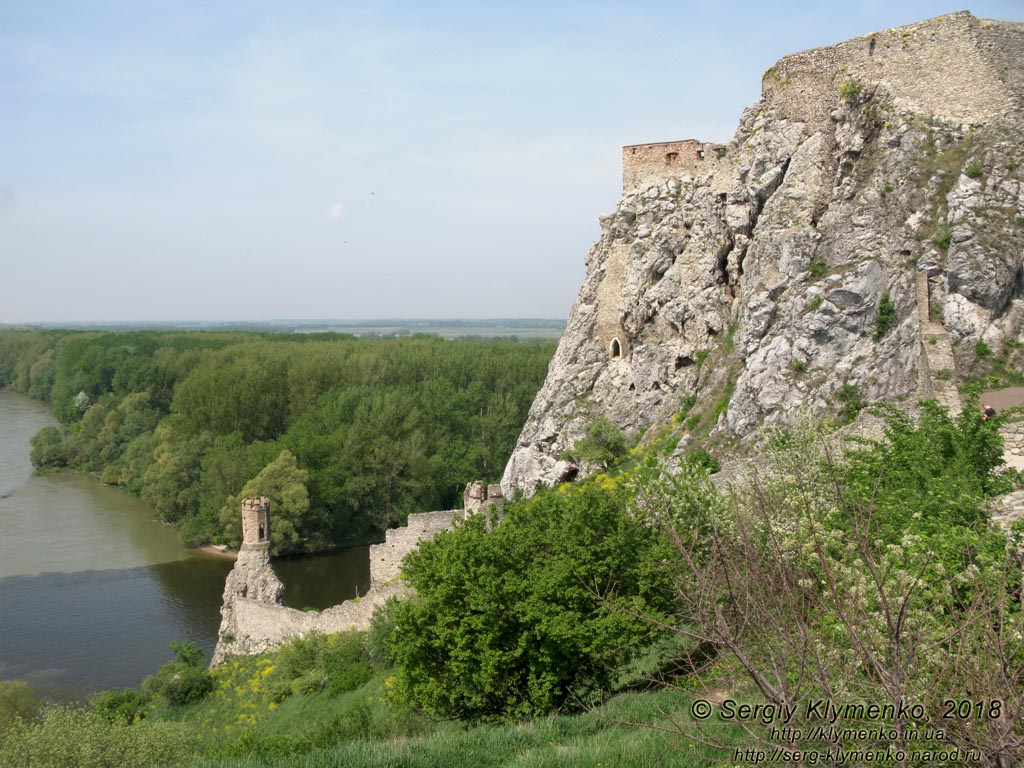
336, 663
973, 170
300, 656
686, 403
182, 681
703, 459
187, 686
346, 662
602, 444
483, 640
818, 269
123, 706
188, 653
378, 640
851, 404
885, 320
877, 573
17, 701
981, 349
72, 738
852, 91
943, 237
48, 448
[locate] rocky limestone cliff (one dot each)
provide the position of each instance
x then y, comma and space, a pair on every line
886, 167
252, 579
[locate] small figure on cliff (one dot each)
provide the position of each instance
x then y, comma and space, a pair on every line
988, 412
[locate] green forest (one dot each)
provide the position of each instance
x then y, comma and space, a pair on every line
346, 436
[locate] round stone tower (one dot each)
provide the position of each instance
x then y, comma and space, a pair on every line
256, 521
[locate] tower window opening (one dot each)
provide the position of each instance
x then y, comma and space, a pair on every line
616, 348
671, 157
700, 153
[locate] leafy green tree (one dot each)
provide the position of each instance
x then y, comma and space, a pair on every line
284, 483
528, 618
171, 481
48, 448
383, 427
42, 375
601, 446
226, 467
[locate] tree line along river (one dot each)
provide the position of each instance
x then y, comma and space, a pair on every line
93, 586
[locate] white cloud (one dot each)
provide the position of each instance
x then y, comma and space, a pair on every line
335, 211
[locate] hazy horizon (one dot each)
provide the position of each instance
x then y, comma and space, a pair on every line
291, 320
386, 160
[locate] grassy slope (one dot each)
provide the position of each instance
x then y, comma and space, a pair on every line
244, 727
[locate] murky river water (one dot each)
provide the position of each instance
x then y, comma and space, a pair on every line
93, 587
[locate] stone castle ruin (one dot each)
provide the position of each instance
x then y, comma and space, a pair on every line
885, 170
253, 618
644, 163
256, 521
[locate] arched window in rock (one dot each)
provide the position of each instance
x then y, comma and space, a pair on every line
615, 349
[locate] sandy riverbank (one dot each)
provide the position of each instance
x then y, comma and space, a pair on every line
218, 550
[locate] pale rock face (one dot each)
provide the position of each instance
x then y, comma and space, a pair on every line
774, 259
251, 579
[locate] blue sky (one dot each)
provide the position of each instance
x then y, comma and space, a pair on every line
241, 161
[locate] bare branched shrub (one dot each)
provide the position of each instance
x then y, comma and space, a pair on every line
834, 580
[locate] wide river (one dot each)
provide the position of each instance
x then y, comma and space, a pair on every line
93, 587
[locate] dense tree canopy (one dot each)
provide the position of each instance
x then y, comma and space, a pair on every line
381, 428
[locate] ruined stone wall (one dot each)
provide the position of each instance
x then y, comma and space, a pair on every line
924, 63
643, 163
479, 498
386, 559
258, 626
254, 620
608, 325
1013, 438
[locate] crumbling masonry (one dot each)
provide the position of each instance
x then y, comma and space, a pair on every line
253, 618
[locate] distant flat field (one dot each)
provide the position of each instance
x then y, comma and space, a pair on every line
447, 330
523, 328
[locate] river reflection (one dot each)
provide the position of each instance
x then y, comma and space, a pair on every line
71, 633
93, 587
